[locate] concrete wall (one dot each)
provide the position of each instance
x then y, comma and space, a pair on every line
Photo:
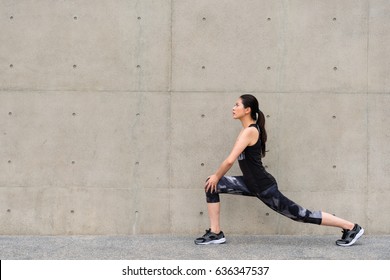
113, 113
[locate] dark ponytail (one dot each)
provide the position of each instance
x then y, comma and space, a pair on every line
249, 100
263, 133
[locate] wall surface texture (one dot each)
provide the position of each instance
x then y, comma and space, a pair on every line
113, 113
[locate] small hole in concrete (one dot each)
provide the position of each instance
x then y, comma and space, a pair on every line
11, 66
267, 214
72, 211
73, 162
202, 164
333, 117
204, 19
268, 116
75, 17
73, 114
269, 19
138, 18
137, 163
9, 161
201, 212
138, 66
203, 67
334, 166
268, 68
203, 115
8, 210
334, 19
74, 66
10, 113
335, 68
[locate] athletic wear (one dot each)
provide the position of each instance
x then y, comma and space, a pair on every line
210, 238
272, 197
252, 168
257, 182
350, 236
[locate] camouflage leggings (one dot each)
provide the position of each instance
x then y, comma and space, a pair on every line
272, 197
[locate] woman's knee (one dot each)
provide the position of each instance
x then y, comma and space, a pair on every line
212, 197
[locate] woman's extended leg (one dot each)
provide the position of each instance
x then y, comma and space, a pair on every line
333, 221
351, 231
273, 198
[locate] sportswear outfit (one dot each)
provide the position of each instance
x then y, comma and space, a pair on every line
257, 182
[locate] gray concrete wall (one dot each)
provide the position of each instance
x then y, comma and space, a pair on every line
113, 113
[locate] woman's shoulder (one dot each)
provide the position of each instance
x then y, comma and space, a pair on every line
249, 131
252, 128
252, 134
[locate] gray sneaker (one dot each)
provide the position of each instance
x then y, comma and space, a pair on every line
210, 238
350, 236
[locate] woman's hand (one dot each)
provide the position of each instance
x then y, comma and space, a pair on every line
211, 183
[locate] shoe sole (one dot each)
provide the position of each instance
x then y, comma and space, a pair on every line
360, 233
218, 241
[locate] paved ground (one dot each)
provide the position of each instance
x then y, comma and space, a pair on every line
169, 247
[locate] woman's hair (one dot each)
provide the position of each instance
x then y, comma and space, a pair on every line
250, 101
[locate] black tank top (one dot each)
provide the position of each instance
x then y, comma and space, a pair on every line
255, 175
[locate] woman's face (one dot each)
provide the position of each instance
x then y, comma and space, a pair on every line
238, 109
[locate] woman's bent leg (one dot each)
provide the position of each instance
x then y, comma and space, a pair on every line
227, 185
213, 211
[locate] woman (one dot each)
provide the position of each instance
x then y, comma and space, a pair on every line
256, 181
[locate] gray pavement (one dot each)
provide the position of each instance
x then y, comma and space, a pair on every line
173, 247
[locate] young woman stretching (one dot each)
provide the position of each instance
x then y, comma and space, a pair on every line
256, 181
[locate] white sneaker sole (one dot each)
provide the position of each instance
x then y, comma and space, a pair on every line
218, 241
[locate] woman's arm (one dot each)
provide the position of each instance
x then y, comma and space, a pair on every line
245, 138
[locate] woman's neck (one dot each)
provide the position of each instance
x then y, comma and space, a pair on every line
246, 122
